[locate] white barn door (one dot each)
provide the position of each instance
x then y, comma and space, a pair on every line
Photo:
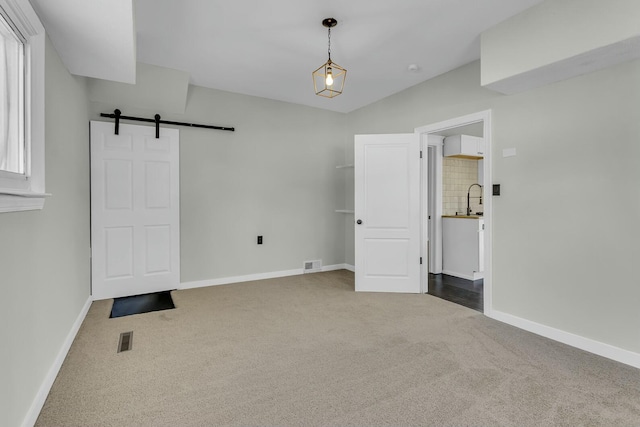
387, 213
135, 210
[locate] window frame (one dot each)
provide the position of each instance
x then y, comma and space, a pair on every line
21, 192
21, 106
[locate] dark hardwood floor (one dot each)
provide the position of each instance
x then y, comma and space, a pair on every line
468, 293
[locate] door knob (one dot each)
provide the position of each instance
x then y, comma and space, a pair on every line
359, 221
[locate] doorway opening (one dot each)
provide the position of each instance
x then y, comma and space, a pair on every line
460, 205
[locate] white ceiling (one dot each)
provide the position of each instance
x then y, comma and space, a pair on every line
269, 48
93, 38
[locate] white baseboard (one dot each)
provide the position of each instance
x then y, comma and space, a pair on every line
596, 347
252, 277
43, 392
335, 267
351, 268
238, 279
473, 276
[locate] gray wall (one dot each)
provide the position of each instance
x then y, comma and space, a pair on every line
44, 256
453, 94
274, 176
565, 228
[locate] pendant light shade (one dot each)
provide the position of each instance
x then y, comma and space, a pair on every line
328, 79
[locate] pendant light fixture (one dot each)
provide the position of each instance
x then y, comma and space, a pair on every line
328, 79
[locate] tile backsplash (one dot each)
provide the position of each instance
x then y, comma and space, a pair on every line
458, 175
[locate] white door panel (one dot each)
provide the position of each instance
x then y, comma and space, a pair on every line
119, 251
135, 224
387, 205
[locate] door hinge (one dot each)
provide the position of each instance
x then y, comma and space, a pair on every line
420, 260
421, 154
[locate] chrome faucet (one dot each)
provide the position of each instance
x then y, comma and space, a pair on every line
469, 197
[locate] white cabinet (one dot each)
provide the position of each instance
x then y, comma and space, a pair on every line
463, 247
464, 146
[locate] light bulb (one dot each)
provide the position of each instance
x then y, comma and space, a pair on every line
329, 79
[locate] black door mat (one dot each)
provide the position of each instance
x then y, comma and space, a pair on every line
137, 304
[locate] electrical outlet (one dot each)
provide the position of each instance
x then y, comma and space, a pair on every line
259, 240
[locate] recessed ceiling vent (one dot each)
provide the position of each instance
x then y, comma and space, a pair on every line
313, 266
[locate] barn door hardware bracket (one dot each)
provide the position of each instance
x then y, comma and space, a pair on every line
117, 115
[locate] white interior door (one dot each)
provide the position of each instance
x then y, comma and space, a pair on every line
135, 210
387, 213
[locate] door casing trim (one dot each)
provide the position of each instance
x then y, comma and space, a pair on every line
434, 128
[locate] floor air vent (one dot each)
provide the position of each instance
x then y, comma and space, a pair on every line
313, 266
126, 341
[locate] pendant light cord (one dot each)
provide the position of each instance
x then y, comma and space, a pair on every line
329, 49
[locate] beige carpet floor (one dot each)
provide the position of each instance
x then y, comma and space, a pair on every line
308, 350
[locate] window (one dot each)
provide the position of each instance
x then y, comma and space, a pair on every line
22, 49
11, 99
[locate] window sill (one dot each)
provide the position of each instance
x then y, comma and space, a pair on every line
16, 201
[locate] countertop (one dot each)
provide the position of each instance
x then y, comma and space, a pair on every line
463, 216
